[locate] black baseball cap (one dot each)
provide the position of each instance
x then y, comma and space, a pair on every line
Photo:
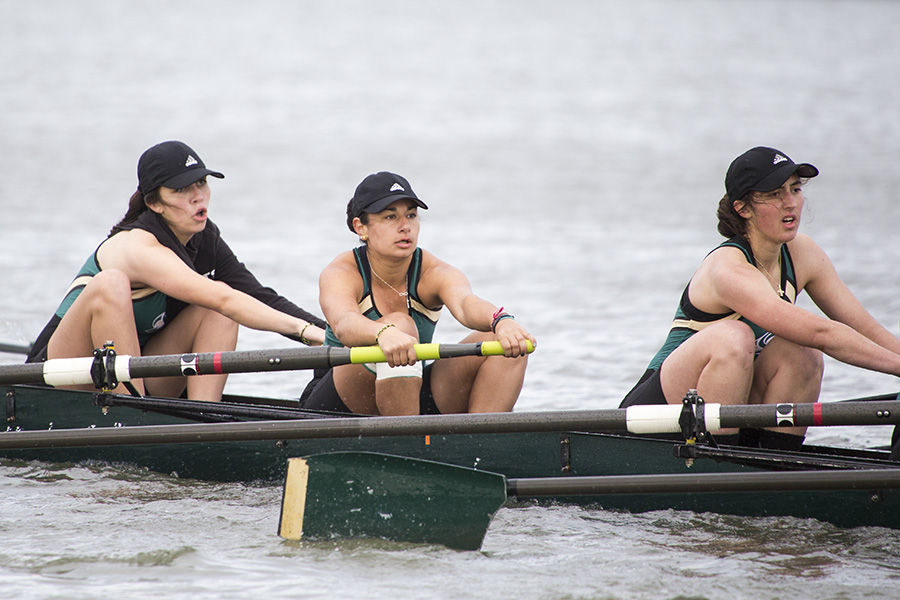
379, 190
762, 169
171, 164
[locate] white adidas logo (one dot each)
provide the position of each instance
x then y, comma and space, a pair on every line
190, 162
778, 158
396, 188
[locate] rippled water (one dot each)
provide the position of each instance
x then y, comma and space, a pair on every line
572, 154
98, 532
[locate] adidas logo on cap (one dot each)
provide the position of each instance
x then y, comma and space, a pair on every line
396, 188
778, 158
190, 162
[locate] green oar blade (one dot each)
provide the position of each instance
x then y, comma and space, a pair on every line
371, 495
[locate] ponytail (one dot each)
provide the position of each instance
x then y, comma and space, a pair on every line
731, 224
137, 204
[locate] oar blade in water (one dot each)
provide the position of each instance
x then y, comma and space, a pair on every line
371, 495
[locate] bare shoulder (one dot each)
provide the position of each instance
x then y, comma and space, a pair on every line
434, 268
341, 271
430, 261
128, 247
342, 262
722, 275
803, 245
722, 261
131, 239
810, 260
441, 282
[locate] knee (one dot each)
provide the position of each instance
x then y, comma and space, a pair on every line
220, 321
735, 343
202, 316
109, 288
808, 363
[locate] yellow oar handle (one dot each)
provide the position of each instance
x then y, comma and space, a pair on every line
374, 354
494, 348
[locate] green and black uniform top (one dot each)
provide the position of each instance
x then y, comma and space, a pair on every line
206, 253
689, 319
425, 318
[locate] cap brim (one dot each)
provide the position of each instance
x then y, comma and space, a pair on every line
777, 177
188, 177
383, 203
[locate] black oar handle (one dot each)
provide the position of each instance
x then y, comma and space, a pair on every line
105, 369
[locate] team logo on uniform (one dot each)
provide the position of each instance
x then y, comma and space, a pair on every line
159, 322
763, 341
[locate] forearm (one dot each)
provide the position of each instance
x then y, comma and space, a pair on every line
849, 346
881, 336
252, 313
476, 313
357, 330
235, 274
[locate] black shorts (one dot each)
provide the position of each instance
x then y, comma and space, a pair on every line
648, 390
320, 394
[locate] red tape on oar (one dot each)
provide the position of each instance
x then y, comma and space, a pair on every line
817, 414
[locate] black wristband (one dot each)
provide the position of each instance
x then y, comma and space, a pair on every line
499, 318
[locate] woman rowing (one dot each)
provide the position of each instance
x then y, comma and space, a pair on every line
165, 282
390, 292
738, 337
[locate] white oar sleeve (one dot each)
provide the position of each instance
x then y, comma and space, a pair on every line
77, 371
659, 418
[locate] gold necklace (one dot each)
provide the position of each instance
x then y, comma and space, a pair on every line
772, 279
399, 293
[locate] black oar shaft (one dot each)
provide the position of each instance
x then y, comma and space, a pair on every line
811, 414
238, 361
867, 479
348, 427
544, 421
86, 370
665, 418
78, 370
14, 348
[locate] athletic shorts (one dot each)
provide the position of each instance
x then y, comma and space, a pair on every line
320, 394
648, 390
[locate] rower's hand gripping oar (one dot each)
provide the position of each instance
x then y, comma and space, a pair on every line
105, 368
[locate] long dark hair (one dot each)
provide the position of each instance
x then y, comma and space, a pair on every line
137, 204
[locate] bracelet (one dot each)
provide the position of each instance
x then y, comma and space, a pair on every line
497, 320
496, 314
380, 331
303, 340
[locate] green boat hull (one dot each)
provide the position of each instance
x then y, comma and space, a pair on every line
516, 455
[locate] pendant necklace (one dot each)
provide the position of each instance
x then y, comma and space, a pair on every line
768, 276
399, 293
